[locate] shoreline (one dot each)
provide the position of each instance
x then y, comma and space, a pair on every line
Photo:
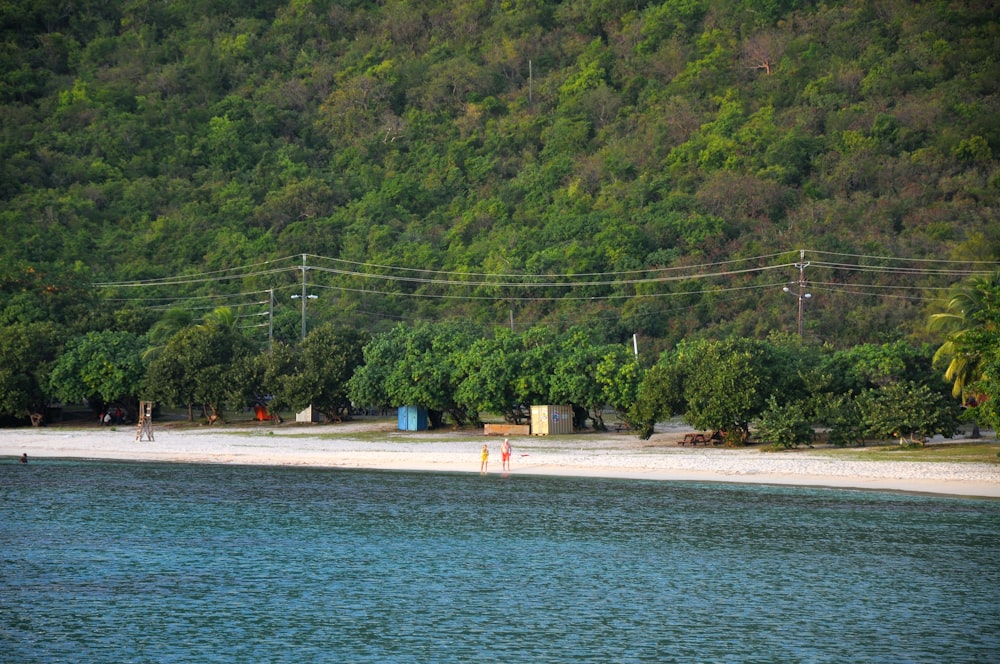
379, 446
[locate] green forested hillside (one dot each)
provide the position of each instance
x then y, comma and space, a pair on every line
640, 167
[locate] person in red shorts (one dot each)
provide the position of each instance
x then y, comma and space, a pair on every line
505, 455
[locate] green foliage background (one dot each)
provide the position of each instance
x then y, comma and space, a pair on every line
145, 140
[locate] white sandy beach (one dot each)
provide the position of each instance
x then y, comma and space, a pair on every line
378, 445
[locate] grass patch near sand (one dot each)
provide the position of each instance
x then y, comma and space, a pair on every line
983, 452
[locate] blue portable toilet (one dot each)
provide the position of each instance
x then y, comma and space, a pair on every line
412, 418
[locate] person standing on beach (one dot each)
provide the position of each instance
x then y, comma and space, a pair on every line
484, 459
505, 455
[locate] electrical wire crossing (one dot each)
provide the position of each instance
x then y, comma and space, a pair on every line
871, 275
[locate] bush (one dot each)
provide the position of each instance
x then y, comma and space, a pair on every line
907, 409
785, 426
841, 414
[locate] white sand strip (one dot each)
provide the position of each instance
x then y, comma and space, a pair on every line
379, 446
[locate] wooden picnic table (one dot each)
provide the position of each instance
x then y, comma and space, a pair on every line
701, 439
694, 439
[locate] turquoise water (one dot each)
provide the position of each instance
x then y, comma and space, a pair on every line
129, 562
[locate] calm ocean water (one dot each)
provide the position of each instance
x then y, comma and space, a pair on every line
129, 562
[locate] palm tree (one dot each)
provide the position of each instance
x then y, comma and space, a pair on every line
960, 317
221, 317
173, 321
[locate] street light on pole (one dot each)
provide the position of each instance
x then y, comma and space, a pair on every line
304, 297
802, 296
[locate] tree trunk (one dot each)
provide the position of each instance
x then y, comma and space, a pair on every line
597, 417
212, 416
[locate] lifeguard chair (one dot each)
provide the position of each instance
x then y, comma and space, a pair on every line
145, 426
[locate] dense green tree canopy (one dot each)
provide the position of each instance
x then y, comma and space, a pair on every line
368, 387
726, 385
647, 167
197, 367
330, 355
690, 172
659, 397
491, 368
27, 352
102, 368
907, 410
420, 366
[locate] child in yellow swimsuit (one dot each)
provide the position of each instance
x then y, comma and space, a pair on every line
484, 459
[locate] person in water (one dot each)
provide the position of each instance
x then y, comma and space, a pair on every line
24, 458
484, 459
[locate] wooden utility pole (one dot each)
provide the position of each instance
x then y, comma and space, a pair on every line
802, 295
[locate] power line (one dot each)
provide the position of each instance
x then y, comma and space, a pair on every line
611, 278
549, 284
205, 276
218, 296
897, 270
541, 276
995, 264
489, 278
523, 298
520, 282
884, 286
184, 279
207, 307
882, 295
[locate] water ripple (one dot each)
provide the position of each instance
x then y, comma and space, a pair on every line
111, 562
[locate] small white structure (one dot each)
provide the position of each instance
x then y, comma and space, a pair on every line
306, 415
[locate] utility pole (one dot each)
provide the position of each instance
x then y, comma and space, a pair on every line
531, 81
270, 320
304, 297
802, 265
